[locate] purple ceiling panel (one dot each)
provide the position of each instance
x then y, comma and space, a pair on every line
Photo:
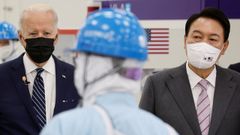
160, 9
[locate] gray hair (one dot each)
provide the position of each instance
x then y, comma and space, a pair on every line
38, 8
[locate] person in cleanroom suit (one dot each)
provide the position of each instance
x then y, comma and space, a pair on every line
110, 52
9, 47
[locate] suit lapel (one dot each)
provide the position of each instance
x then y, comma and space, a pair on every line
224, 91
60, 84
180, 88
18, 71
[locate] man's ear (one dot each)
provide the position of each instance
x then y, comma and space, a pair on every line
225, 46
21, 39
56, 39
185, 41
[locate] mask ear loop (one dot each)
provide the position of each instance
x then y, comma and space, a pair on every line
84, 75
112, 71
85, 72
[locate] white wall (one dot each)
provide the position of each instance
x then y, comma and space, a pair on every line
71, 12
9, 11
233, 53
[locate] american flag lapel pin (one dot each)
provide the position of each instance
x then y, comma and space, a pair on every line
64, 76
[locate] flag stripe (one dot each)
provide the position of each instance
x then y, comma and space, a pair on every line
160, 32
157, 48
157, 45
159, 28
158, 40
159, 36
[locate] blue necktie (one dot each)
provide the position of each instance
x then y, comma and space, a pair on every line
38, 98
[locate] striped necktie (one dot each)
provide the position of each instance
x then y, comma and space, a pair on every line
38, 98
203, 108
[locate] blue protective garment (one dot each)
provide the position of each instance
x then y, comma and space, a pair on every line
126, 117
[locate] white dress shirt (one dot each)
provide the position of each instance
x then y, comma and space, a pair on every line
196, 89
49, 79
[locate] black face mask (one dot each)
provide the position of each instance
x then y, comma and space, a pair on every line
40, 49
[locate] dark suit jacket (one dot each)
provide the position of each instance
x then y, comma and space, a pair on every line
16, 111
235, 67
168, 95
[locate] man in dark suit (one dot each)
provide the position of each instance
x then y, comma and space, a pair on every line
235, 67
35, 86
198, 97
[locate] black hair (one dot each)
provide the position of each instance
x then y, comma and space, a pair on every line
212, 13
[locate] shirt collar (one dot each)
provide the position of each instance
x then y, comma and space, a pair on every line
30, 66
194, 78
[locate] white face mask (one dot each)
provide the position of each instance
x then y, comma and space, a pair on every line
202, 55
5, 51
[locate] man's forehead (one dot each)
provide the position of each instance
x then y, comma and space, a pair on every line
39, 25
206, 25
200, 32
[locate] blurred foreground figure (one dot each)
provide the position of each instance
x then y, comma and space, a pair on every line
9, 49
110, 53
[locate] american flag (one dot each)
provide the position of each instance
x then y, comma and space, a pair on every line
158, 40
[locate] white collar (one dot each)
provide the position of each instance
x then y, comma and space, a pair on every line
194, 78
30, 66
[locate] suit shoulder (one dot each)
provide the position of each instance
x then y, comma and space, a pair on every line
64, 64
165, 73
7, 65
235, 67
6, 69
67, 65
233, 73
